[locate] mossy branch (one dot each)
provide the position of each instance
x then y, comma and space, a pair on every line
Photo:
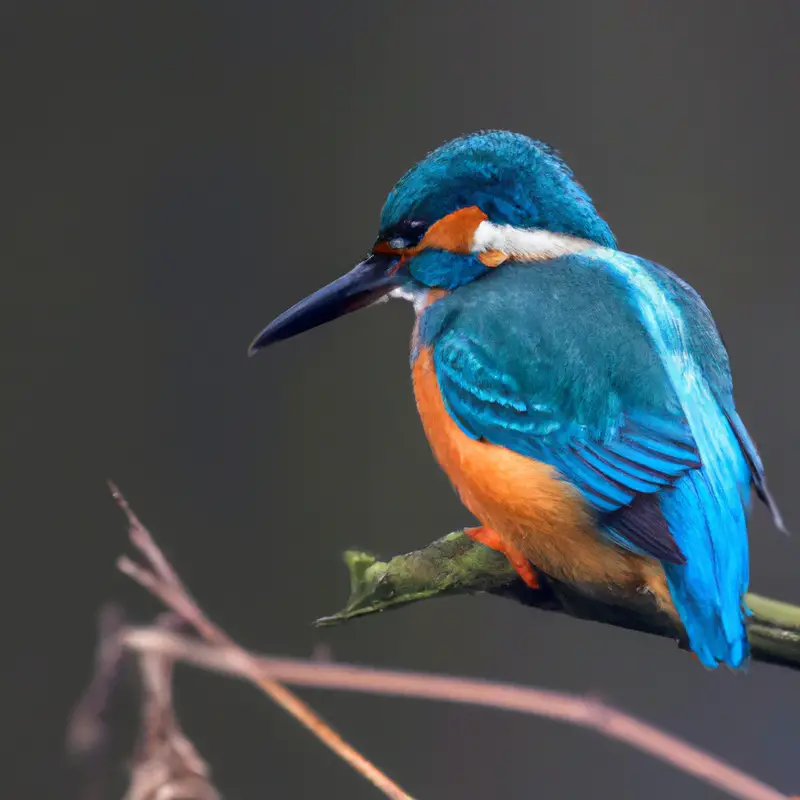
456, 565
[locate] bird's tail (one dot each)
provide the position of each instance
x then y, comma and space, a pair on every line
707, 514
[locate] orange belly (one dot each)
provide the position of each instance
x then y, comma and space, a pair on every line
525, 501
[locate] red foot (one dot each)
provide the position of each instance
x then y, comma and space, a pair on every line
518, 560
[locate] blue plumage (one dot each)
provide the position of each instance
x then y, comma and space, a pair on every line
514, 179
445, 270
604, 365
552, 344
707, 510
590, 364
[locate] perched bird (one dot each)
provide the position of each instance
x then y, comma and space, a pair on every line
579, 398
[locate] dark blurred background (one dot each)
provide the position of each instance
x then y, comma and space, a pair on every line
176, 173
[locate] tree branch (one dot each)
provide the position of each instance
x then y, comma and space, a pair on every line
168, 767
160, 579
455, 564
573, 709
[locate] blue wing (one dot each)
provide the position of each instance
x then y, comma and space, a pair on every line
611, 370
633, 452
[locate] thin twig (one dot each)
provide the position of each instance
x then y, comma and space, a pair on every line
87, 731
159, 578
167, 765
217, 651
573, 709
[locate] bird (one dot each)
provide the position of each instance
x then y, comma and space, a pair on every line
579, 398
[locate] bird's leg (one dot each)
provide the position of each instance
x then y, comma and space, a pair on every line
516, 557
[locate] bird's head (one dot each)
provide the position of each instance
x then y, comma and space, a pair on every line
471, 205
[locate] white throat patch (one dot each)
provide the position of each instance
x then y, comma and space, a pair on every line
521, 244
416, 297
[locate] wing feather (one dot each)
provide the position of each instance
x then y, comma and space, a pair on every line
637, 452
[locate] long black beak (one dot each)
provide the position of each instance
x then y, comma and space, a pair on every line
359, 288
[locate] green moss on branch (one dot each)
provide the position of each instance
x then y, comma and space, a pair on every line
456, 565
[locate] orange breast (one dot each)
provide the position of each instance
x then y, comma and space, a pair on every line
524, 500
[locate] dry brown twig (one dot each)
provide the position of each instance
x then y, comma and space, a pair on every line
161, 580
159, 645
167, 766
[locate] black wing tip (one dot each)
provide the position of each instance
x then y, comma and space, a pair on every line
644, 525
768, 500
675, 557
666, 549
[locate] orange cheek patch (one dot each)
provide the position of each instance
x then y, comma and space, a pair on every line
455, 232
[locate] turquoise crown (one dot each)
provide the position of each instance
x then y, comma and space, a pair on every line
514, 179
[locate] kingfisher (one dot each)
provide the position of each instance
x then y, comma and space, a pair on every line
579, 398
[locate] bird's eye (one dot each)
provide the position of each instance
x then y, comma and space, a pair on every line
402, 236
